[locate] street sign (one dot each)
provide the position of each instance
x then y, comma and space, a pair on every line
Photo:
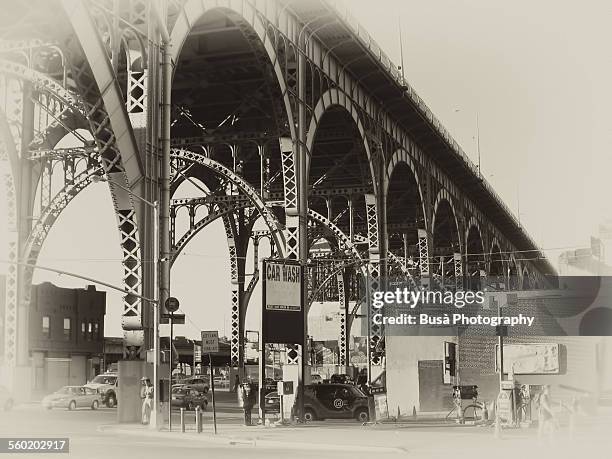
210, 342
284, 387
172, 304
177, 319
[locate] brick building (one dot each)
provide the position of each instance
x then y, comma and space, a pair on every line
550, 352
66, 335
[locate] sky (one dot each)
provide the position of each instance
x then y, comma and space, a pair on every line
535, 74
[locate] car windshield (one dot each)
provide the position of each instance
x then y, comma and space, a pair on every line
178, 390
104, 379
356, 392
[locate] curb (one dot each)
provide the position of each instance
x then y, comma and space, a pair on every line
254, 442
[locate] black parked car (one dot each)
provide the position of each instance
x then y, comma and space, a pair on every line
335, 401
327, 401
189, 398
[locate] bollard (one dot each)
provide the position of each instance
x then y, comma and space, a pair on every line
198, 419
414, 413
497, 433
572, 417
182, 419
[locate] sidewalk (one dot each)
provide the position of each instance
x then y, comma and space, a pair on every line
282, 437
419, 439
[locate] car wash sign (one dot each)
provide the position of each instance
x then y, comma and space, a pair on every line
282, 312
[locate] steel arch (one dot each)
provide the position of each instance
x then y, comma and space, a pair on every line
273, 224
336, 98
193, 10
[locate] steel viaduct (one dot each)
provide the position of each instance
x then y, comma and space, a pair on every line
286, 111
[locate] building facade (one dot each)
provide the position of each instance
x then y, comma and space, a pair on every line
66, 335
550, 352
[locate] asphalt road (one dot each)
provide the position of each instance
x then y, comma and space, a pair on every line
86, 441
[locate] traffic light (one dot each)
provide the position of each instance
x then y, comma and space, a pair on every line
450, 366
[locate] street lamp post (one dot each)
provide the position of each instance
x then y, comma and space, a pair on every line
154, 420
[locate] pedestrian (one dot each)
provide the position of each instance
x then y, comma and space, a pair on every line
362, 380
523, 411
236, 383
146, 394
546, 417
248, 401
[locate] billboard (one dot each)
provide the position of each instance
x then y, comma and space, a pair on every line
282, 311
524, 359
358, 348
325, 352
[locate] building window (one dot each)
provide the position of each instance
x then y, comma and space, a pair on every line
67, 328
45, 327
97, 331
83, 334
89, 331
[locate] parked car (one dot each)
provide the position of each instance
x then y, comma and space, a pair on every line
188, 397
327, 401
6, 399
73, 397
107, 385
335, 401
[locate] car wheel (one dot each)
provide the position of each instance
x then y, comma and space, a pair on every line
111, 401
8, 406
94, 405
362, 416
309, 416
72, 405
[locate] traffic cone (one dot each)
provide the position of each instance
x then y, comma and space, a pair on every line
414, 415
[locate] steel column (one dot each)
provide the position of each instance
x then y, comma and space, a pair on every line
373, 281
424, 258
